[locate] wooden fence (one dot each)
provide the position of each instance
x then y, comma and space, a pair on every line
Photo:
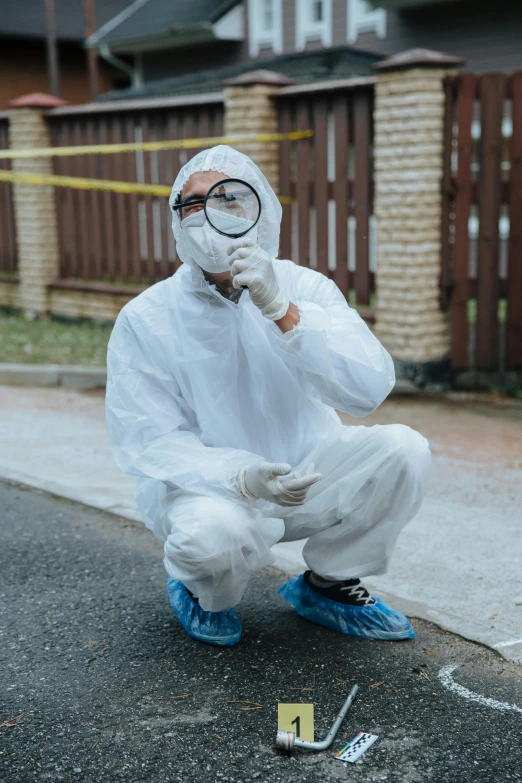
126, 239
8, 256
330, 227
482, 220
120, 238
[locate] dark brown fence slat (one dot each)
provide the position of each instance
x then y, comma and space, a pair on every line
91, 201
120, 199
166, 176
514, 295
151, 266
446, 256
8, 254
341, 190
57, 136
492, 90
84, 200
174, 133
133, 207
467, 88
303, 183
5, 259
108, 203
70, 201
321, 182
188, 133
87, 169
216, 120
123, 174
101, 233
285, 162
362, 130
94, 202
5, 265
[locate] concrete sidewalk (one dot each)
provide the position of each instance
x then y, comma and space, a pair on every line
457, 564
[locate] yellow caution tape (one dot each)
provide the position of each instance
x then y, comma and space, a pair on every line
152, 146
84, 183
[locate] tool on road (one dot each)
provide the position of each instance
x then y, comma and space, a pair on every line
286, 740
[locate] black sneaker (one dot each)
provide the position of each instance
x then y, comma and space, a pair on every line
348, 591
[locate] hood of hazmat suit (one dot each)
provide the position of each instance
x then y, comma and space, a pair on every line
199, 386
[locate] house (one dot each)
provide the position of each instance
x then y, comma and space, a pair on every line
487, 35
23, 63
193, 45
169, 42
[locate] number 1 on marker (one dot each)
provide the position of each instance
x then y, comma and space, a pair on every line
297, 718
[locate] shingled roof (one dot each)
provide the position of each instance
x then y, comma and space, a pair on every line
305, 67
26, 18
404, 5
146, 20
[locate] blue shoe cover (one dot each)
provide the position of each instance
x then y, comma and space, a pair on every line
379, 621
220, 628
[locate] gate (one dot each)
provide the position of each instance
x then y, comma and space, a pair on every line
482, 220
330, 226
118, 238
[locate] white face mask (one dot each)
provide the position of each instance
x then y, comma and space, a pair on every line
207, 247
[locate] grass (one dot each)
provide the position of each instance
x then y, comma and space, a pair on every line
52, 342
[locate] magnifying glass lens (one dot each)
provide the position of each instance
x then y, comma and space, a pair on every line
232, 207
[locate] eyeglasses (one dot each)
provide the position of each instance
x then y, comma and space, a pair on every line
231, 206
189, 206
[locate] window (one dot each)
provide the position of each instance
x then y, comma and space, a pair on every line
317, 11
265, 26
267, 15
313, 22
363, 18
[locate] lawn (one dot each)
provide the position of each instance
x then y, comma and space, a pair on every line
52, 342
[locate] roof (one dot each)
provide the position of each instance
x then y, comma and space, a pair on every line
26, 18
305, 67
146, 20
420, 58
404, 5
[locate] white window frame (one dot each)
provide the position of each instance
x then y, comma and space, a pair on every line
364, 19
306, 30
257, 37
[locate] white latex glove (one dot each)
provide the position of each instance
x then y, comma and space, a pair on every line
252, 267
262, 481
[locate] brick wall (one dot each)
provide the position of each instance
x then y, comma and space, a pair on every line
99, 306
35, 212
409, 116
251, 110
10, 295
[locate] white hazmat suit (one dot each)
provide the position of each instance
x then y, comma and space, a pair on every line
200, 387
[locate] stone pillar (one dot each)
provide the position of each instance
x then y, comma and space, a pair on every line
34, 205
250, 108
409, 138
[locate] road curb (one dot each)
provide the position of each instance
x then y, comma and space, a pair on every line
71, 376
79, 377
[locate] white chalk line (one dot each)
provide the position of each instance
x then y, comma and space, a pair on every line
449, 683
507, 644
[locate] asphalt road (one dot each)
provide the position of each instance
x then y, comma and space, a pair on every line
90, 655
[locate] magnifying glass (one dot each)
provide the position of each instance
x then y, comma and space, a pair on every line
232, 207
